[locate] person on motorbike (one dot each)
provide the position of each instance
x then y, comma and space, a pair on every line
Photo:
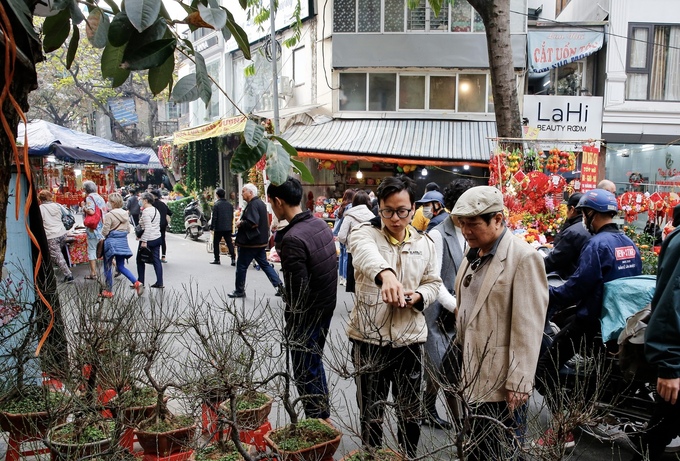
662, 348
569, 241
608, 255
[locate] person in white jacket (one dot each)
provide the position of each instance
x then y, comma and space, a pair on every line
54, 231
396, 278
360, 212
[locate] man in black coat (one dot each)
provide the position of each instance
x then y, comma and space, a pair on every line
221, 224
165, 212
132, 205
252, 238
572, 237
310, 270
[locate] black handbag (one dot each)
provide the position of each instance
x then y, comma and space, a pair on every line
144, 255
139, 230
67, 219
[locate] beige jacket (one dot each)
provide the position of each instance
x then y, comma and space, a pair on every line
414, 262
501, 336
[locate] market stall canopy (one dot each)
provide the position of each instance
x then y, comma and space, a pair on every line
154, 162
219, 127
46, 138
429, 142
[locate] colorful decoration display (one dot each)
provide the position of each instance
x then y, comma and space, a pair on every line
326, 208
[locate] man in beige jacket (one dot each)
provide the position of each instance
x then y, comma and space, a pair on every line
502, 295
396, 278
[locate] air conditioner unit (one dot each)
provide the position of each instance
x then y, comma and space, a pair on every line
286, 86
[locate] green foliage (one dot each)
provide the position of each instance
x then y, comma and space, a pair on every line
304, 434
73, 433
645, 244
32, 399
56, 29
176, 224
202, 164
251, 401
226, 452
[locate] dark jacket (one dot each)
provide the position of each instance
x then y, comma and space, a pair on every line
310, 270
609, 255
164, 211
569, 241
436, 220
662, 337
222, 216
132, 205
254, 229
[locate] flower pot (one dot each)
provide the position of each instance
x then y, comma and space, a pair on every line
316, 452
132, 416
25, 424
66, 451
251, 418
164, 444
384, 454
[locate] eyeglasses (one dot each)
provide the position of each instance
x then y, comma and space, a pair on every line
475, 267
401, 213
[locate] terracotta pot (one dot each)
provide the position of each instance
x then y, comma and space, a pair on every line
69, 451
164, 444
134, 415
252, 418
25, 424
317, 452
395, 456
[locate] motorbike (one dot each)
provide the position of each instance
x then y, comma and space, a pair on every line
194, 220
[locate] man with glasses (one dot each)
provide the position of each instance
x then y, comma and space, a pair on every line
396, 278
502, 295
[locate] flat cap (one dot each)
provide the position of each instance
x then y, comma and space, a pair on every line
477, 201
432, 196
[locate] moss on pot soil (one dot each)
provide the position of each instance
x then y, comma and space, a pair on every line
307, 433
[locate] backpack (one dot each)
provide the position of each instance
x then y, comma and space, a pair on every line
632, 361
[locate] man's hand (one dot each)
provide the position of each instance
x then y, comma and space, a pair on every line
515, 399
668, 389
412, 298
392, 290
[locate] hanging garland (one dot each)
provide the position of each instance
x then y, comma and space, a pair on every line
202, 164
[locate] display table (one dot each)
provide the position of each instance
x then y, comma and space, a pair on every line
77, 249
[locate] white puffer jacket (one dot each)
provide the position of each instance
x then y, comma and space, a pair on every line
351, 219
414, 263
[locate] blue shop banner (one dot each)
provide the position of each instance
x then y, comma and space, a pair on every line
549, 49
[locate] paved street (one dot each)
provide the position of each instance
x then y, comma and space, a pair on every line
188, 263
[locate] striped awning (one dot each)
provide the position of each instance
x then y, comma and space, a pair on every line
435, 141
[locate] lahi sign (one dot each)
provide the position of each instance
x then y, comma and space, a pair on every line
569, 118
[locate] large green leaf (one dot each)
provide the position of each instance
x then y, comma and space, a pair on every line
239, 35
290, 149
100, 32
72, 46
142, 13
120, 30
152, 55
216, 17
203, 82
112, 57
226, 34
245, 157
161, 76
278, 163
436, 6
301, 168
253, 133
24, 16
185, 90
55, 30
77, 15
152, 34
114, 8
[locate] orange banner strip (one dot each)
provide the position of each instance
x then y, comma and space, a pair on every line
381, 159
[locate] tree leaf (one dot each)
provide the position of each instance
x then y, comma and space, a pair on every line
55, 30
226, 33
301, 168
98, 28
203, 83
290, 149
253, 133
185, 90
72, 46
278, 163
113, 6
245, 157
161, 76
120, 30
216, 17
239, 35
25, 17
77, 15
243, 3
152, 34
152, 55
436, 6
112, 57
142, 13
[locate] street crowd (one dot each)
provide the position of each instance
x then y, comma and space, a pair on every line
446, 298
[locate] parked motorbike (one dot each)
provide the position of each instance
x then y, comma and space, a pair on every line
194, 220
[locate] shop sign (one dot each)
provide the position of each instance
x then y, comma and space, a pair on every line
589, 159
217, 128
569, 118
550, 49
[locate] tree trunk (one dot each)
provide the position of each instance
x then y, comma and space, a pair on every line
496, 17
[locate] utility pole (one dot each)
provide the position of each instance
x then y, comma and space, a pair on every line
275, 76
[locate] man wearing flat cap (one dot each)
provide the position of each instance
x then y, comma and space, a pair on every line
502, 294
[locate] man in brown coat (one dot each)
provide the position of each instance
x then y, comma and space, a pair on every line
502, 295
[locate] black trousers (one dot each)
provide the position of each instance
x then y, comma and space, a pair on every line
490, 440
164, 247
379, 369
663, 427
217, 236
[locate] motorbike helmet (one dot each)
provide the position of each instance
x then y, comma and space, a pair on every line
599, 200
